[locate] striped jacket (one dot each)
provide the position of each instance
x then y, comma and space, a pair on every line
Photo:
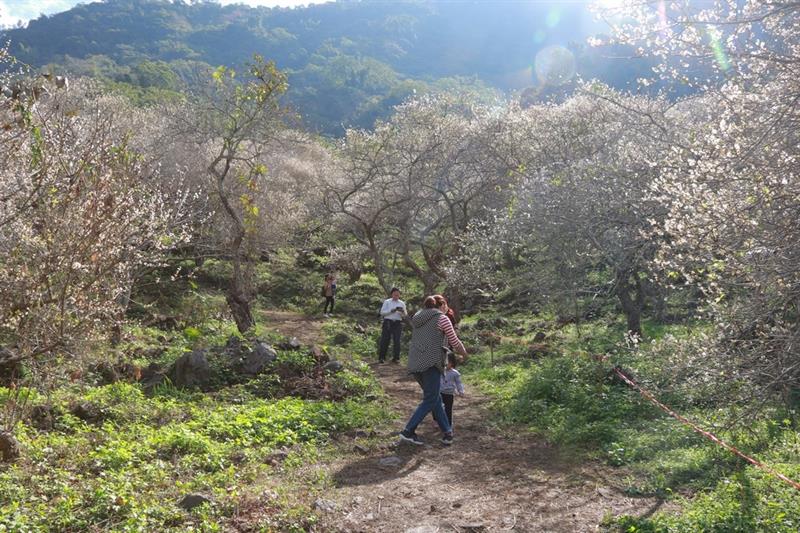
432, 332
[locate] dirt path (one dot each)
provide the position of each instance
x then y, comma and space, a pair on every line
485, 481
307, 330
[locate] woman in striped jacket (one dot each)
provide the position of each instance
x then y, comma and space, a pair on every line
432, 332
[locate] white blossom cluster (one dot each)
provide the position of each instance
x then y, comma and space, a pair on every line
81, 212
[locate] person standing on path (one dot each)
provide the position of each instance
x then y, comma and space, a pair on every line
392, 311
450, 386
432, 333
329, 292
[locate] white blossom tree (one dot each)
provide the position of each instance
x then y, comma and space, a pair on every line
80, 213
732, 187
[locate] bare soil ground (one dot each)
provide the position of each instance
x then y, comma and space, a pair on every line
486, 481
307, 330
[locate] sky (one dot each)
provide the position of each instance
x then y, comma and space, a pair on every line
12, 11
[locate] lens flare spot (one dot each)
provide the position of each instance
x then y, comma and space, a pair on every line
554, 65
553, 18
718, 49
539, 36
662, 15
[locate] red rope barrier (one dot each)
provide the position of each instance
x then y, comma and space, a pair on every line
631, 383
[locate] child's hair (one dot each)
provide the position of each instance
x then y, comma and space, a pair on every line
435, 300
451, 358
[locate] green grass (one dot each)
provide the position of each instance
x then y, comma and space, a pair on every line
129, 470
570, 399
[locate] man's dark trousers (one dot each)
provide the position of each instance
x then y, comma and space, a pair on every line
391, 331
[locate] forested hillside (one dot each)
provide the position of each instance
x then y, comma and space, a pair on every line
348, 62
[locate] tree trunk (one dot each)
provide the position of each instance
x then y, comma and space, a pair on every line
377, 261
379, 271
430, 283
239, 305
10, 367
239, 295
455, 303
123, 300
630, 295
655, 293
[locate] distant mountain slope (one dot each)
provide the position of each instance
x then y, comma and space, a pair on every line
349, 62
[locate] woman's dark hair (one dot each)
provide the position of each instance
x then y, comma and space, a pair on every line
434, 301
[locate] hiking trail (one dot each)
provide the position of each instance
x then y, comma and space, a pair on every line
490, 479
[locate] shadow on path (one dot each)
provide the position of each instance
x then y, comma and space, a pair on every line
486, 481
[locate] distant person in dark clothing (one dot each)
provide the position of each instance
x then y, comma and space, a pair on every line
329, 292
392, 312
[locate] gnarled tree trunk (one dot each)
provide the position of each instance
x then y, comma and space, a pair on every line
629, 291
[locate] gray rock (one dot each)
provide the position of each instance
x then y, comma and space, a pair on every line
233, 347
333, 366
341, 339
151, 377
190, 370
259, 358
539, 337
360, 449
88, 412
9, 448
291, 344
190, 501
43, 417
392, 460
326, 506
